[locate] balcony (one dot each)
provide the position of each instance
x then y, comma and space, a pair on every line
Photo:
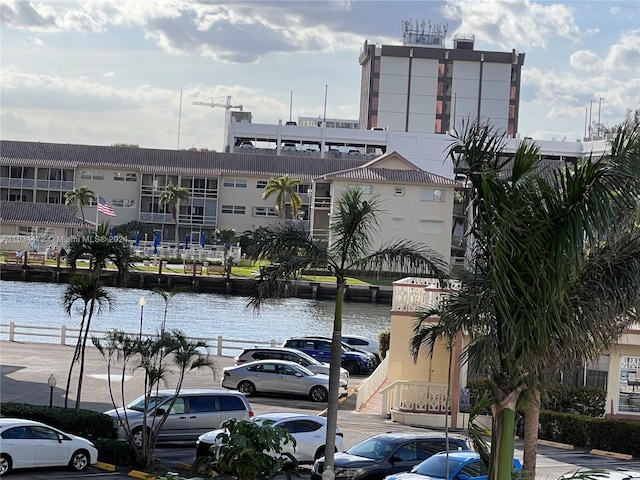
413, 294
150, 217
17, 182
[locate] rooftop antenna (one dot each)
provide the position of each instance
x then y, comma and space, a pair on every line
291, 105
326, 91
179, 118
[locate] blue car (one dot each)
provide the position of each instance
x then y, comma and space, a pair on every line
463, 464
354, 361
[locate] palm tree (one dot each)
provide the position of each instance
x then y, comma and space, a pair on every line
281, 188
171, 196
80, 196
353, 227
554, 271
100, 248
94, 299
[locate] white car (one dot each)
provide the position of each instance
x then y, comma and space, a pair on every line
28, 444
310, 432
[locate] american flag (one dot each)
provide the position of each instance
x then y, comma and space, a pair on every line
105, 208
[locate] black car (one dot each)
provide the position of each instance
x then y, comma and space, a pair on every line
387, 453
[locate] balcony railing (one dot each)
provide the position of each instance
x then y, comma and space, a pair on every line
150, 217
370, 385
415, 397
414, 294
197, 220
17, 182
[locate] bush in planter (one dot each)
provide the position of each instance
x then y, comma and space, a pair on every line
384, 338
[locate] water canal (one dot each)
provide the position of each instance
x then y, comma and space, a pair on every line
196, 314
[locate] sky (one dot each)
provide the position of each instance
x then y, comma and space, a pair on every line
107, 72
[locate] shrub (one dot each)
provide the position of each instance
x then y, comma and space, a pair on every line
384, 338
115, 452
583, 431
588, 401
84, 423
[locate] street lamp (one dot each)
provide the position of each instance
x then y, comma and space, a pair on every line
52, 383
142, 302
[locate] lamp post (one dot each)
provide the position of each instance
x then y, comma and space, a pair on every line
142, 302
52, 383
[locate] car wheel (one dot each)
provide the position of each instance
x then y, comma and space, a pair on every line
247, 388
136, 435
352, 367
319, 394
79, 460
5, 464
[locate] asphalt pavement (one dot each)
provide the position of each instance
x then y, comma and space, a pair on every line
26, 367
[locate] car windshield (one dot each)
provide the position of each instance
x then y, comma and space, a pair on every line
308, 358
138, 403
374, 448
436, 466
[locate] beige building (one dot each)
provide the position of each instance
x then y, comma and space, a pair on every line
225, 190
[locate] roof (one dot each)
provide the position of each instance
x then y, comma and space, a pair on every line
40, 214
402, 436
173, 162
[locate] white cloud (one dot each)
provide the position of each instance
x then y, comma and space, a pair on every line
510, 24
585, 60
109, 74
623, 55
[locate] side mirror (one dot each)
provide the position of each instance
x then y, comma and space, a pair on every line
299, 375
160, 412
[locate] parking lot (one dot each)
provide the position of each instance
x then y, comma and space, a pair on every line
25, 368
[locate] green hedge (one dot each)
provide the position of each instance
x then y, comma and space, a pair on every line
84, 423
582, 431
115, 452
588, 401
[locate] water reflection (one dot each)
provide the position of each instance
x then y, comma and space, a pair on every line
197, 314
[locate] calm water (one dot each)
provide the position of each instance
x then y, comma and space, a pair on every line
197, 314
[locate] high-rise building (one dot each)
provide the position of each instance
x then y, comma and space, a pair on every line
422, 86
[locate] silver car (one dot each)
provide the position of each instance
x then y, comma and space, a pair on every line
278, 376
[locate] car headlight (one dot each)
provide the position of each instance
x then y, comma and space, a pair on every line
348, 472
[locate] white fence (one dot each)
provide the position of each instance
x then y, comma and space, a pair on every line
67, 336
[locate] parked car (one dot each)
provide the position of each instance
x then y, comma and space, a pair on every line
288, 147
246, 146
278, 376
463, 464
388, 453
289, 354
353, 361
28, 444
374, 358
195, 411
362, 343
601, 474
309, 431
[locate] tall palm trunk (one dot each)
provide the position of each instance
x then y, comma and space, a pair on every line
502, 435
334, 380
76, 356
83, 350
531, 426
174, 211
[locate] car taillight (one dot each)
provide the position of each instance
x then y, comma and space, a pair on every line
239, 360
251, 413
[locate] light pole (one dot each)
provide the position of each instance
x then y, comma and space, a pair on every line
52, 383
142, 302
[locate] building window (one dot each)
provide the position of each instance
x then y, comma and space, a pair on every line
430, 227
123, 203
365, 189
118, 176
432, 195
397, 223
398, 191
261, 184
234, 183
17, 197
234, 209
265, 212
131, 177
90, 175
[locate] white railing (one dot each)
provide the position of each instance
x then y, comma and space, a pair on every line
414, 397
64, 335
370, 385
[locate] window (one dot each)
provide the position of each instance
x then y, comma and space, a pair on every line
124, 203
17, 433
366, 189
43, 433
475, 469
118, 176
432, 195
430, 227
229, 403
397, 223
261, 184
406, 453
234, 183
178, 406
17, 197
265, 212
202, 404
92, 175
234, 209
131, 177
398, 191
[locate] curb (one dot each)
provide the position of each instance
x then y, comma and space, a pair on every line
549, 443
105, 466
142, 475
604, 453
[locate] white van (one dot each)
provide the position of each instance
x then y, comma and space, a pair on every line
196, 411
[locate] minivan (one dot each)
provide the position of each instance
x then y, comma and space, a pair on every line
195, 411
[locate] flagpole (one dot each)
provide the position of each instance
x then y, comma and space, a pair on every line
97, 211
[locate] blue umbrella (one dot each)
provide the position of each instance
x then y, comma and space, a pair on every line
187, 239
137, 242
156, 242
113, 231
203, 239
